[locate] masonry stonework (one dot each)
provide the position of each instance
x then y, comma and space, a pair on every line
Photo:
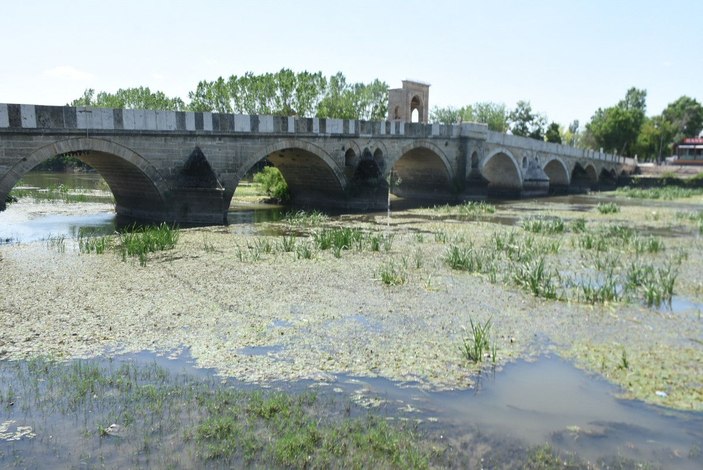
184, 167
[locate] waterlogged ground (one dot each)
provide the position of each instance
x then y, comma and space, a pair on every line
256, 310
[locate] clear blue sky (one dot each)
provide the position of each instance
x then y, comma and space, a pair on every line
567, 58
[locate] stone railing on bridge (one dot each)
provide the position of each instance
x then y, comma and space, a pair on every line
39, 117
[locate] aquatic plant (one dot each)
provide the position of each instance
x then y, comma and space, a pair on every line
534, 276
475, 207
578, 225
287, 243
476, 344
664, 193
608, 208
94, 244
440, 236
304, 251
464, 258
56, 242
392, 273
546, 226
140, 241
306, 219
148, 413
341, 238
647, 245
602, 291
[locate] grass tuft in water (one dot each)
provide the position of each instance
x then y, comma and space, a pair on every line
547, 226
393, 274
476, 344
608, 208
306, 219
140, 241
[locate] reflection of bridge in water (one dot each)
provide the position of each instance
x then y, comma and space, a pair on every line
185, 166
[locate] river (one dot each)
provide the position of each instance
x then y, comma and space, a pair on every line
536, 397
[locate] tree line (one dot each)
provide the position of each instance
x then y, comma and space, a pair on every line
624, 128
283, 93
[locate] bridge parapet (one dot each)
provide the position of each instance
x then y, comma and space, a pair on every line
37, 117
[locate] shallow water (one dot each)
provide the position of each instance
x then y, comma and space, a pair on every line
524, 404
547, 401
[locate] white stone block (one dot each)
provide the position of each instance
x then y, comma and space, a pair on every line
128, 119
291, 124
82, 117
402, 128
150, 120
106, 119
383, 127
139, 119
334, 126
161, 120
352, 127
4, 116
316, 125
242, 123
165, 120
207, 121
190, 121
265, 123
435, 129
29, 116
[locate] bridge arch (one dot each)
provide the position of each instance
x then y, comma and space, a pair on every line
584, 177
420, 168
557, 172
139, 189
502, 171
309, 170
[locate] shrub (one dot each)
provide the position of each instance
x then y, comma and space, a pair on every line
272, 183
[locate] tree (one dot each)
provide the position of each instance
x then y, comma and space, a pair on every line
451, 115
342, 100
493, 114
130, 98
526, 123
616, 129
654, 139
686, 117
572, 136
553, 133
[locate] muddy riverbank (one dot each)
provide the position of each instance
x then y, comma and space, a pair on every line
251, 309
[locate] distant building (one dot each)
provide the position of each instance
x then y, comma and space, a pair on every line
689, 151
410, 103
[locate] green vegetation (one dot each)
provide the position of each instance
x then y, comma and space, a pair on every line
306, 219
664, 193
60, 193
132, 412
608, 208
271, 182
393, 274
134, 241
477, 343
550, 225
283, 93
530, 262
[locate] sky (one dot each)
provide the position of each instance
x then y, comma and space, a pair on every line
567, 58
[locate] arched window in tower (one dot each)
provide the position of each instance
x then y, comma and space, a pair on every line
415, 109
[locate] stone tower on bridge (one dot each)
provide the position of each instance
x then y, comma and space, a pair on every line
403, 102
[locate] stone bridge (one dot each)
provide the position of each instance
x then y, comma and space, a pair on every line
185, 166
